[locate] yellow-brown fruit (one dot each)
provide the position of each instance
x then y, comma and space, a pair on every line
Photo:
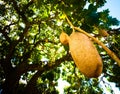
64, 38
85, 55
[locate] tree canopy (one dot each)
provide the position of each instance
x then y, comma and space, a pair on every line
32, 59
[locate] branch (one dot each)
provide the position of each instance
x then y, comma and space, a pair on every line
5, 35
40, 69
18, 10
24, 66
25, 31
72, 26
14, 43
44, 41
27, 5
7, 29
48, 67
110, 53
31, 86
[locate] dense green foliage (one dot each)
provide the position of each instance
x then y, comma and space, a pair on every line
30, 49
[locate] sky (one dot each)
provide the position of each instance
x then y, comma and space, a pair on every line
114, 8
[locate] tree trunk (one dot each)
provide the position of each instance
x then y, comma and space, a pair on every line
11, 84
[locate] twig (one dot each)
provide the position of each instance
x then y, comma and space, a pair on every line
72, 26
110, 53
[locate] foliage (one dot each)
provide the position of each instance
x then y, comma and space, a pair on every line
30, 50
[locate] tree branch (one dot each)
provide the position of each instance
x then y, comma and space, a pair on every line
14, 43
110, 53
31, 86
32, 67
72, 26
18, 10
27, 5
3, 31
5, 35
40, 69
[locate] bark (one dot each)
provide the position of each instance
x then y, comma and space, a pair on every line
31, 86
11, 82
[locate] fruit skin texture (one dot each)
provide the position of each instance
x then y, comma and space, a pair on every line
64, 38
84, 54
